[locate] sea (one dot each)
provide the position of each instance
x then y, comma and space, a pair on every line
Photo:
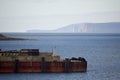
102, 52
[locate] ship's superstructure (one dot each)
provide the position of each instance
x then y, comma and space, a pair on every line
31, 60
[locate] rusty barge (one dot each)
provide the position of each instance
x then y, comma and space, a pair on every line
31, 60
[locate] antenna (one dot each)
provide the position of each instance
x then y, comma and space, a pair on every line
53, 49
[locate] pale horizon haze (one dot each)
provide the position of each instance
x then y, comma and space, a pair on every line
23, 15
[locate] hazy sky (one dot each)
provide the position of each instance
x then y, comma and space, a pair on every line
22, 15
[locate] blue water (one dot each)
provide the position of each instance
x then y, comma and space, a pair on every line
101, 51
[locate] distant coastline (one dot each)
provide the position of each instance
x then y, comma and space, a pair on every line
3, 37
60, 34
109, 27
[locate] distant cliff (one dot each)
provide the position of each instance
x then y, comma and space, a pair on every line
3, 37
112, 27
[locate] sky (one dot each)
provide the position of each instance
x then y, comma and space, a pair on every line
23, 15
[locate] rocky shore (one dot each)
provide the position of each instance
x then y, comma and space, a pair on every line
3, 37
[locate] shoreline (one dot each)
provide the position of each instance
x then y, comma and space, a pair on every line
3, 37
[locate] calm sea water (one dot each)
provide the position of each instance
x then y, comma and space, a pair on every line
101, 51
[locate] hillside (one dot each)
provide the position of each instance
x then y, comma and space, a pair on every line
113, 27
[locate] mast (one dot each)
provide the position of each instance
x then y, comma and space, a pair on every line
53, 49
